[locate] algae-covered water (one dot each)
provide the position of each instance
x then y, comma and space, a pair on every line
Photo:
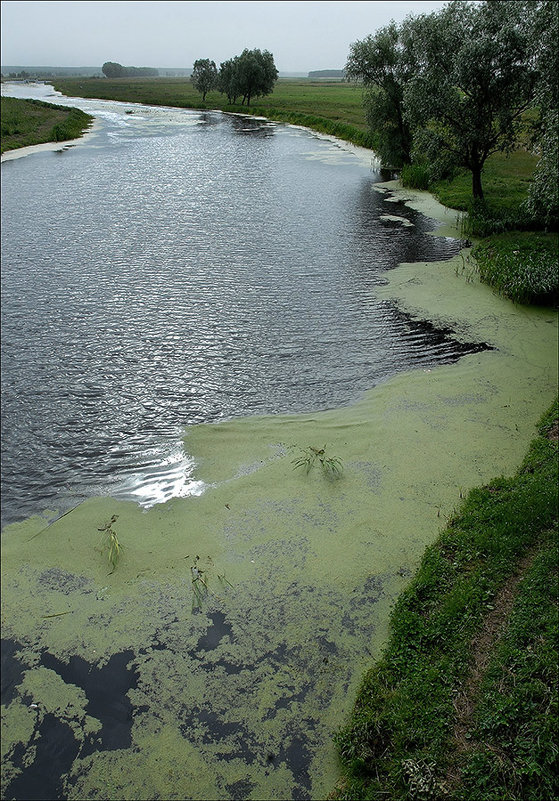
224, 650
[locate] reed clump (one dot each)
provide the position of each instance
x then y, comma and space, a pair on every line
331, 466
110, 544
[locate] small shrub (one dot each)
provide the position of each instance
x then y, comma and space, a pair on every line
415, 176
523, 266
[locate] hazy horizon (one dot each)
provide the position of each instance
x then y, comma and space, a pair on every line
303, 36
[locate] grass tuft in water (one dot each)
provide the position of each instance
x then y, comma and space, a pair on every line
199, 585
331, 466
111, 544
200, 579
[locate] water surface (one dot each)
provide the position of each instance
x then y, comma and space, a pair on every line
181, 267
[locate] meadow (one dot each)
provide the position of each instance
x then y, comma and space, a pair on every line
32, 122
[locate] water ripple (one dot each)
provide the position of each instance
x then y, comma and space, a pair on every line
181, 268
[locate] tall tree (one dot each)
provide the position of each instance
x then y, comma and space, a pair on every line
227, 80
543, 199
256, 74
474, 80
204, 76
384, 62
111, 69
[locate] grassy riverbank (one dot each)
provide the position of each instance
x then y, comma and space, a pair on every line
32, 122
511, 254
463, 702
330, 107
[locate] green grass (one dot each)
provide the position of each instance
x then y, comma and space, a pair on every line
506, 180
520, 263
401, 739
514, 753
524, 266
32, 122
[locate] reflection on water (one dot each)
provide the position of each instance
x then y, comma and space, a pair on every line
182, 267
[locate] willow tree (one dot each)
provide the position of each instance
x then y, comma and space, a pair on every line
543, 199
474, 79
255, 74
384, 63
227, 79
204, 76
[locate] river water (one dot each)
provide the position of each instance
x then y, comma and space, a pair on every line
179, 267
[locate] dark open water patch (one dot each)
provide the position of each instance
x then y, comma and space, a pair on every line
56, 749
106, 689
55, 742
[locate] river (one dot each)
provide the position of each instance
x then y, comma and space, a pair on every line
179, 267
190, 302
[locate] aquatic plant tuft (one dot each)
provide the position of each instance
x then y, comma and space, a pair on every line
331, 466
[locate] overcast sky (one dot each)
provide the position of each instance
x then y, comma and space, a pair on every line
301, 35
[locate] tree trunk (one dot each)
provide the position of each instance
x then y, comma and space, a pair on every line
404, 136
477, 188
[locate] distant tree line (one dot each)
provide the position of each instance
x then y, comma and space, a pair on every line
248, 76
111, 69
327, 74
449, 88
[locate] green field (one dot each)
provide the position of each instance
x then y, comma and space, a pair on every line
32, 122
333, 100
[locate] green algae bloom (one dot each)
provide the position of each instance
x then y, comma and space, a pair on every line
234, 689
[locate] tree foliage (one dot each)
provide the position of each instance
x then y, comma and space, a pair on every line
452, 87
227, 82
543, 199
248, 76
112, 69
204, 76
383, 63
252, 74
474, 80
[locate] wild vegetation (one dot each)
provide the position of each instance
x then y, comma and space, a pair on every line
32, 122
331, 466
463, 703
